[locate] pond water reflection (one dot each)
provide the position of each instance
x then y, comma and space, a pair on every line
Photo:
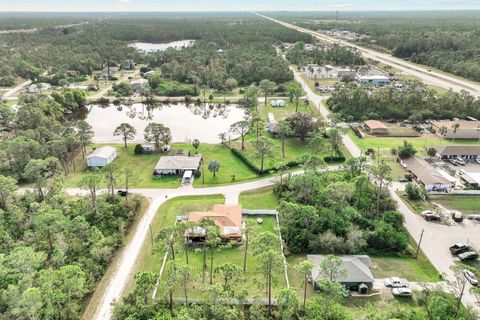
153, 47
186, 122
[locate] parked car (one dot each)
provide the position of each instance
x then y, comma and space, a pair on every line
477, 160
474, 217
459, 248
457, 216
460, 161
470, 277
454, 162
430, 215
122, 193
469, 255
395, 282
402, 292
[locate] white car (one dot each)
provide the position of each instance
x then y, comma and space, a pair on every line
477, 160
402, 292
460, 161
395, 282
470, 277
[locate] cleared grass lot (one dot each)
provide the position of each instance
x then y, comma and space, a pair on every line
263, 198
465, 204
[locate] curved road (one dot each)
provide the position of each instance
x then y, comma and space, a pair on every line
429, 77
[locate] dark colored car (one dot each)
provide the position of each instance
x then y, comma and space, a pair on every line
122, 193
459, 248
469, 255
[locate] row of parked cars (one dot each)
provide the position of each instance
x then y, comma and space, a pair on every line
460, 161
399, 287
464, 252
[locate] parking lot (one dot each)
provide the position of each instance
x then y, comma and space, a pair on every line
455, 170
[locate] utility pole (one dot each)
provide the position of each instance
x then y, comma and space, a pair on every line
419, 243
151, 236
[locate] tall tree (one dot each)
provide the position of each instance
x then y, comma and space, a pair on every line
332, 268
126, 131
157, 133
84, 134
91, 182
241, 128
8, 186
284, 130
267, 88
111, 174
196, 144
185, 274
264, 148
381, 174
294, 92
39, 171
213, 167
305, 268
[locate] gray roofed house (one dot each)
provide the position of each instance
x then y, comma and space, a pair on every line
426, 175
357, 267
177, 164
101, 157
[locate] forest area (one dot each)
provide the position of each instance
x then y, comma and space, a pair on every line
246, 41
449, 41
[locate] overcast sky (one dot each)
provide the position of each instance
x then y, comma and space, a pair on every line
234, 5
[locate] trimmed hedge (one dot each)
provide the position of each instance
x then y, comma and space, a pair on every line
247, 161
340, 158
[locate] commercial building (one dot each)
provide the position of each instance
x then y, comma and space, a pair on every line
376, 80
452, 152
426, 175
461, 129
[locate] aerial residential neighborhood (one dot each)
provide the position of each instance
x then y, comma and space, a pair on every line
221, 160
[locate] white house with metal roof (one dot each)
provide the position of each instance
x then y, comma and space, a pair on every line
101, 157
177, 164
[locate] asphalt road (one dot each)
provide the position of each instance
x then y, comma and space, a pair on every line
429, 77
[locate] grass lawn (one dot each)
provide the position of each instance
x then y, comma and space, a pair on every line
144, 165
465, 204
263, 198
425, 141
377, 307
281, 113
416, 205
231, 254
166, 214
415, 270
295, 278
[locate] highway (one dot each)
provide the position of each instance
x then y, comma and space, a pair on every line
428, 77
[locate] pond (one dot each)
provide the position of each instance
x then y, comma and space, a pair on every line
186, 122
153, 47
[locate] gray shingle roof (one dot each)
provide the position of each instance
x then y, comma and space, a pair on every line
357, 268
178, 163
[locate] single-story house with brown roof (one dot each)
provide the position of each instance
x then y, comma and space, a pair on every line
376, 127
466, 129
227, 217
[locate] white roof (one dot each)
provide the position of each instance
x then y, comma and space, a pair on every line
472, 177
379, 77
188, 174
103, 152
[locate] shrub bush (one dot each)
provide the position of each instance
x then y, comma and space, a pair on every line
138, 149
339, 158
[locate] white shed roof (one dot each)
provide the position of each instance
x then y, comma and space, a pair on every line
103, 152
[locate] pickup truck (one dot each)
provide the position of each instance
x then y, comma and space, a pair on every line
459, 248
395, 282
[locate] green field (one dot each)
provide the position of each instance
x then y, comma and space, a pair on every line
263, 198
465, 204
233, 254
417, 270
144, 164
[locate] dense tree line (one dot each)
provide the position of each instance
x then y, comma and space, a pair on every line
449, 41
414, 100
324, 54
246, 40
340, 212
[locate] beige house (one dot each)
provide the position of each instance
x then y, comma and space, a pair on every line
227, 217
376, 127
466, 129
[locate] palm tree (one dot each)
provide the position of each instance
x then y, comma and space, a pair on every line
455, 128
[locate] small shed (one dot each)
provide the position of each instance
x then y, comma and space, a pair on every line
148, 148
376, 127
101, 156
